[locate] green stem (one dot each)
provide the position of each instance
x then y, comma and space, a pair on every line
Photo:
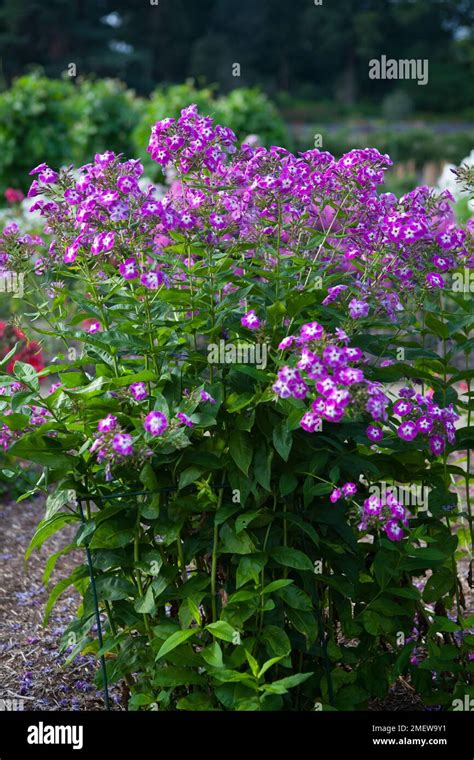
215, 544
136, 559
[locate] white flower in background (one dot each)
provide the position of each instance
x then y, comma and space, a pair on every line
447, 180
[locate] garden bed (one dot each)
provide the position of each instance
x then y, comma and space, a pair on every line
32, 668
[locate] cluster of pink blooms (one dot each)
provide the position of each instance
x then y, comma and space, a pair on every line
266, 199
421, 416
324, 375
112, 443
346, 491
388, 514
6, 436
192, 139
37, 416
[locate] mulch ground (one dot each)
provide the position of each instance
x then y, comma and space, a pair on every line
31, 666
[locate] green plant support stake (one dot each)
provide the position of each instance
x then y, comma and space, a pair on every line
97, 617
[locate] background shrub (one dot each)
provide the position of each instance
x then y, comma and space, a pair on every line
106, 115
36, 118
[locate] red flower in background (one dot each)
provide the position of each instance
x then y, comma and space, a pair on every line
28, 352
13, 196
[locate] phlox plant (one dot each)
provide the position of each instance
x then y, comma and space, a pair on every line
247, 540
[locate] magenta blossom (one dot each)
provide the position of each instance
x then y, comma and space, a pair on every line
107, 424
139, 391
155, 423
184, 419
250, 320
129, 269
122, 444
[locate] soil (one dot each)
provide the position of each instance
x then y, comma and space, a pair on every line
32, 668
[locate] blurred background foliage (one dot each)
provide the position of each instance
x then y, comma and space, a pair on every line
311, 52
80, 76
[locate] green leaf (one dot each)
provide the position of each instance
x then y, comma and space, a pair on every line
233, 543
27, 374
235, 402
148, 477
240, 449
140, 700
78, 574
437, 585
146, 604
190, 475
111, 534
269, 664
304, 622
277, 640
276, 585
388, 607
8, 356
294, 558
112, 587
51, 562
441, 329
46, 528
384, 567
372, 622
15, 421
262, 465
282, 686
287, 483
444, 624
42, 450
296, 598
213, 655
427, 553
171, 676
408, 592
244, 520
175, 640
282, 440
56, 500
197, 700
249, 569
252, 662
222, 630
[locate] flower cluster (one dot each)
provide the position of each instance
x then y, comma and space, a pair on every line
420, 416
112, 445
387, 514
266, 199
346, 491
189, 141
325, 374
